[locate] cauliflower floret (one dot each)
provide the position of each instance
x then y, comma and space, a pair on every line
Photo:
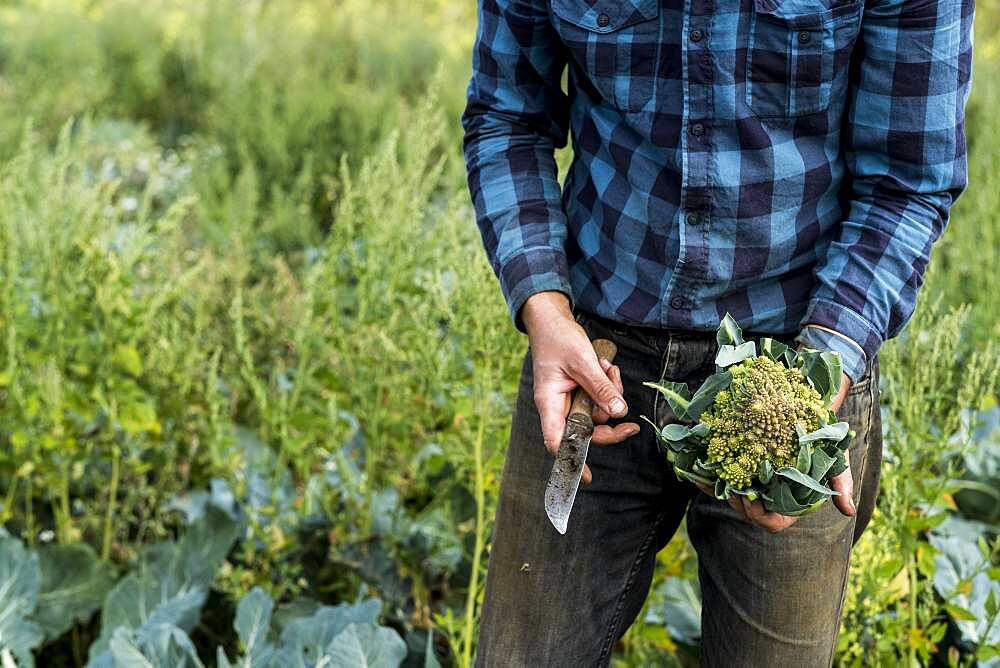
755, 419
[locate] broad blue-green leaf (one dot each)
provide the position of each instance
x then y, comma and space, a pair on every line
824, 370
430, 658
681, 609
311, 635
691, 475
221, 660
773, 349
779, 499
820, 464
253, 620
705, 395
73, 586
750, 493
730, 355
154, 646
19, 584
832, 432
171, 583
193, 504
366, 646
729, 333
804, 462
206, 543
801, 478
678, 396
675, 432
765, 472
979, 497
139, 603
961, 577
840, 460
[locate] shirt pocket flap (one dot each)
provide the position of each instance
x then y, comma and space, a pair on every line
804, 14
604, 16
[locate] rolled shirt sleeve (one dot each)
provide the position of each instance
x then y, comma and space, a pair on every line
515, 117
904, 140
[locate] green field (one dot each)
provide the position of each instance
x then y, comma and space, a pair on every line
256, 374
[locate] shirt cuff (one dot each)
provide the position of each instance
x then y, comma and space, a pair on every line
851, 355
529, 272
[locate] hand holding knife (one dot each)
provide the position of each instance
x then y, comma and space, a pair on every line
564, 481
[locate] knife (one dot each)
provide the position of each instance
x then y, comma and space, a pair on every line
564, 481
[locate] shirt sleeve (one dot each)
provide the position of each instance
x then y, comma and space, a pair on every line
904, 139
516, 115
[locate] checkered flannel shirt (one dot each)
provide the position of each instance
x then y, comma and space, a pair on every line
788, 161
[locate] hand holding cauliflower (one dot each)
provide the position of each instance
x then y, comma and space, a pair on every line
761, 427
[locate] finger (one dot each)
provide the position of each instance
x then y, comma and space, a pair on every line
599, 386
615, 374
773, 522
706, 489
586, 477
606, 435
844, 483
838, 399
552, 408
735, 504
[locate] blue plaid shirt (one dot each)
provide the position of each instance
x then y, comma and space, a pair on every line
788, 161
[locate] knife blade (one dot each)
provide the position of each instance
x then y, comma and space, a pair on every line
564, 481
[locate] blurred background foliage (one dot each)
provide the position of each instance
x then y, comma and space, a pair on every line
248, 339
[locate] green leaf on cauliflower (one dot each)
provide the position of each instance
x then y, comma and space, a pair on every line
730, 355
706, 394
729, 333
678, 396
801, 478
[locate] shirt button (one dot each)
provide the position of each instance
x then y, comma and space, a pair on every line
804, 37
603, 20
695, 219
698, 129
677, 303
696, 35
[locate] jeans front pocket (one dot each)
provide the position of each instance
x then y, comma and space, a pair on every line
615, 46
797, 55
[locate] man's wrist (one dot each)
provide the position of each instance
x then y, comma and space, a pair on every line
543, 307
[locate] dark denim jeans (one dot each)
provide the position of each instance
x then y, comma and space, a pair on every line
768, 599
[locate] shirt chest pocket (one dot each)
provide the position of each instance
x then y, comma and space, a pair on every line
615, 45
797, 55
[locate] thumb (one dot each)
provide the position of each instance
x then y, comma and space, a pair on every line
598, 385
844, 483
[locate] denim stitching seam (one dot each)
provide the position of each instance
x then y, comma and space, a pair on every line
609, 639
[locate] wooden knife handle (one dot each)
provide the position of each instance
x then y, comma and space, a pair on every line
582, 403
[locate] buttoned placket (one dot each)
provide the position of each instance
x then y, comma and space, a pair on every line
694, 216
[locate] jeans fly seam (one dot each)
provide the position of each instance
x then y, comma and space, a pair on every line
664, 361
609, 639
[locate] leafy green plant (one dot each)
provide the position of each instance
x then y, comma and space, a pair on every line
343, 636
19, 584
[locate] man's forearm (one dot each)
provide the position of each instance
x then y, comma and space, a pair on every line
904, 138
515, 117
